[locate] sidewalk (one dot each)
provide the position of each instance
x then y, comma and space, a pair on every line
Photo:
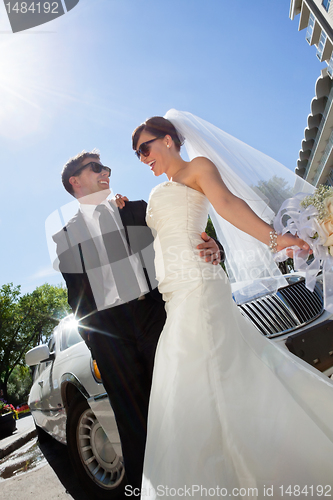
26, 430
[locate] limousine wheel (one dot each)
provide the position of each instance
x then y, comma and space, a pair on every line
93, 456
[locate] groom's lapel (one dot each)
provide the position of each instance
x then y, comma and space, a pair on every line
77, 230
124, 216
79, 235
81, 240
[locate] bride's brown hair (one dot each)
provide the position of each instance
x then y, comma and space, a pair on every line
159, 127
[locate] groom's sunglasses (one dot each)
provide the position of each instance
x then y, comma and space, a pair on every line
144, 149
95, 167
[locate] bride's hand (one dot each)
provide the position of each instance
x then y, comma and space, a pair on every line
119, 200
289, 240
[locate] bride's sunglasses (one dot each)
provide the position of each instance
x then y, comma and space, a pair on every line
144, 149
95, 167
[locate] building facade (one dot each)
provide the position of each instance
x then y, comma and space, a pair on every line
316, 16
315, 162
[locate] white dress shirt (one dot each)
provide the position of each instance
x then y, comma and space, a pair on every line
111, 295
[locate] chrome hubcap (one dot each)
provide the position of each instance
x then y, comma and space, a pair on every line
97, 453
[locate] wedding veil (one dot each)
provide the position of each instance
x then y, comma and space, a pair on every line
257, 179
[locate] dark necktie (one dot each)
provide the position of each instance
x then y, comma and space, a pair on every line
124, 276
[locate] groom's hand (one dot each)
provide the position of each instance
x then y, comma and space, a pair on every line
209, 250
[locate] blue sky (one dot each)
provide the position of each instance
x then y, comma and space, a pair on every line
88, 78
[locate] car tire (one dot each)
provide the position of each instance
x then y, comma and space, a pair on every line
94, 459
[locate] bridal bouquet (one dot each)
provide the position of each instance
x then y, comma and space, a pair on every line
311, 217
321, 202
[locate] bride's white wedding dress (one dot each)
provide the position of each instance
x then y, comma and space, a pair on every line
228, 408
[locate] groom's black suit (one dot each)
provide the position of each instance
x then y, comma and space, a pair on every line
122, 339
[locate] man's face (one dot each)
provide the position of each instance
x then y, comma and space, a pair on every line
88, 182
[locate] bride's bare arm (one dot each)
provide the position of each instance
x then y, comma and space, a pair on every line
233, 209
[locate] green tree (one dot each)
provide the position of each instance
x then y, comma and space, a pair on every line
19, 384
210, 229
25, 321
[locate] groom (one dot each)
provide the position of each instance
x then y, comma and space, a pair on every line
107, 261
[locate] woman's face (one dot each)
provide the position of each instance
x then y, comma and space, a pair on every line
157, 159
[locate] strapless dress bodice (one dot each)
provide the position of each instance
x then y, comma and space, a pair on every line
177, 215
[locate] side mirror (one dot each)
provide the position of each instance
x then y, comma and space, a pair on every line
38, 354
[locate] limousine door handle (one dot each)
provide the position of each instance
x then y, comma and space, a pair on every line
41, 383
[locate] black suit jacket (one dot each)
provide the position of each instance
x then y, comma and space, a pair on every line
78, 255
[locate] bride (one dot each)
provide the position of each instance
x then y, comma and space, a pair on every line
231, 414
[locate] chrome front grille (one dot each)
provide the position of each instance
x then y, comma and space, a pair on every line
289, 308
